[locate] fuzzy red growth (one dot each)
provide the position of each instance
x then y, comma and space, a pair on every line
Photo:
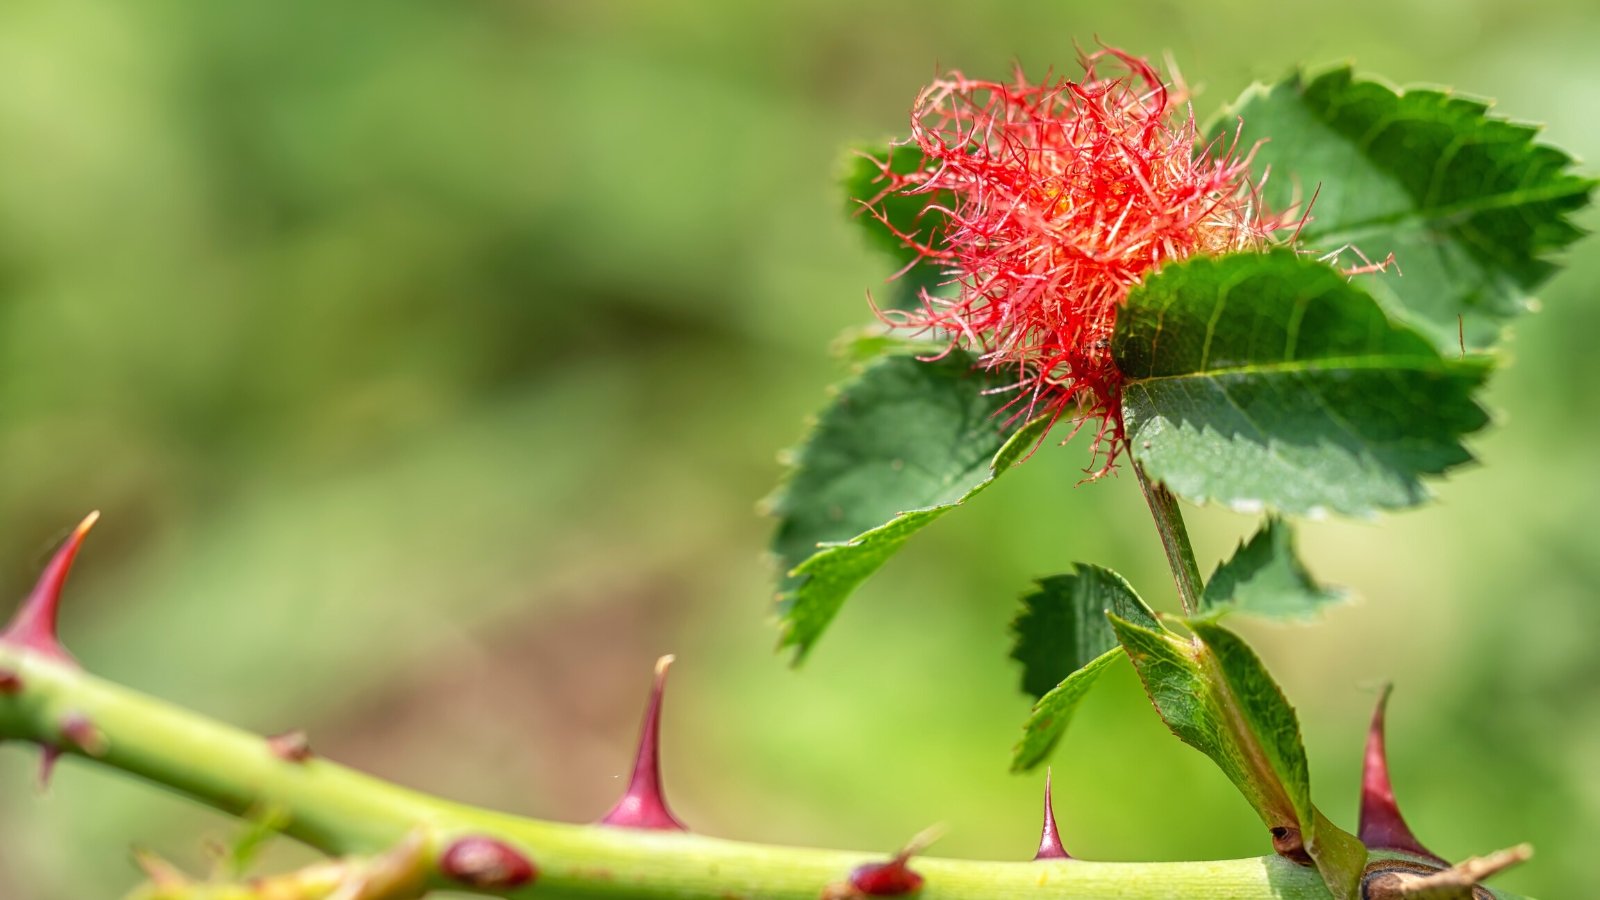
1053, 200
644, 803
34, 626
1050, 846
1381, 826
486, 864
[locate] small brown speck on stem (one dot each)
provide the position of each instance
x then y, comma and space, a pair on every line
81, 733
290, 746
1290, 844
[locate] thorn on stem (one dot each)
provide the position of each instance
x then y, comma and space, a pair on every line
290, 746
1403, 880
1050, 846
887, 879
34, 625
894, 878
1381, 826
78, 733
77, 730
161, 873
48, 754
486, 864
644, 804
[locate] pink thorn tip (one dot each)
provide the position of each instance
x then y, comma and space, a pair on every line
48, 755
34, 626
644, 804
1381, 825
1050, 838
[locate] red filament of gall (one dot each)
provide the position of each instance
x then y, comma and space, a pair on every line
1051, 201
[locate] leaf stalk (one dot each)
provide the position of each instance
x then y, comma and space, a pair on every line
1174, 539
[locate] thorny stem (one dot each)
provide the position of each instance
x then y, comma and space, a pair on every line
1174, 540
343, 812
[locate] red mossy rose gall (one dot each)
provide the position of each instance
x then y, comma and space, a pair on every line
1051, 201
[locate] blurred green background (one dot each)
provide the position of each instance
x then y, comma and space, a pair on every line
428, 360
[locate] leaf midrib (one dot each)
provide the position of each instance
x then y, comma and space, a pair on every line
1254, 756
1332, 364
1421, 215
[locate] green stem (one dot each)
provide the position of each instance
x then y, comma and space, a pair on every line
1174, 540
340, 811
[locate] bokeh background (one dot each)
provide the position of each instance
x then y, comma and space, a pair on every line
428, 361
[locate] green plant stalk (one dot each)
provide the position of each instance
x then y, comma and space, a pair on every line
1174, 540
343, 812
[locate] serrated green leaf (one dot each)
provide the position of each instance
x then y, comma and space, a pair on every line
859, 346
1065, 642
1216, 696
1063, 626
902, 443
864, 185
1054, 711
1268, 380
1265, 577
1468, 204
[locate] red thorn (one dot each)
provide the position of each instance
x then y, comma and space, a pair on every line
644, 805
290, 746
77, 730
1381, 826
487, 864
34, 626
78, 733
1050, 838
10, 682
886, 879
895, 877
48, 754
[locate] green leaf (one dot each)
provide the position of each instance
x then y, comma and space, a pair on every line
1065, 642
1054, 711
861, 345
902, 443
1063, 626
1270, 380
1266, 578
1216, 696
1468, 204
864, 186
